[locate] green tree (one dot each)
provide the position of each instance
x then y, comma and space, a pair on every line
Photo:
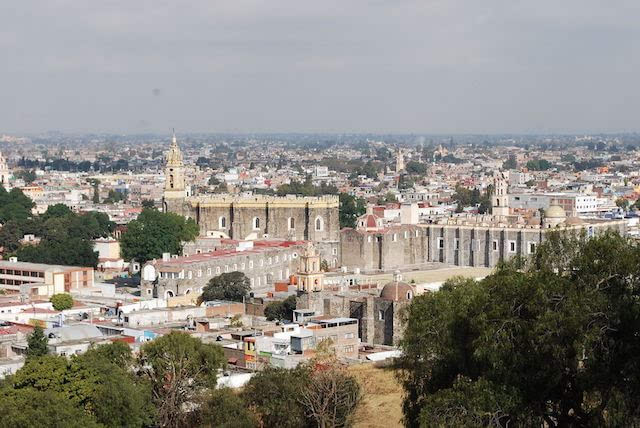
275, 394
29, 407
416, 168
37, 343
104, 390
350, 209
510, 163
154, 233
178, 366
10, 235
61, 301
234, 286
549, 340
222, 408
622, 203
148, 203
281, 311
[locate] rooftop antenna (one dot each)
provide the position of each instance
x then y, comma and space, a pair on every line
174, 135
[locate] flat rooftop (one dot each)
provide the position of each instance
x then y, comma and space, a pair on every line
6, 264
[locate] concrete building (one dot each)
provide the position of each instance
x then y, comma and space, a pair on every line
42, 280
341, 334
574, 204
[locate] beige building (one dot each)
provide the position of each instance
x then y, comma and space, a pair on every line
42, 280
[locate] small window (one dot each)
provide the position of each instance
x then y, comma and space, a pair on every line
494, 245
440, 243
256, 223
532, 247
457, 244
292, 223
395, 237
222, 223
406, 234
381, 315
319, 224
512, 246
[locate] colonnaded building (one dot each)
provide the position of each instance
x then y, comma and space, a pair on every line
464, 240
291, 218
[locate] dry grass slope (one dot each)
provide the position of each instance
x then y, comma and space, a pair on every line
382, 402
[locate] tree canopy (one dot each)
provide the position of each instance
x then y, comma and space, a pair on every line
91, 388
281, 311
234, 286
178, 366
154, 233
350, 209
61, 301
37, 343
551, 340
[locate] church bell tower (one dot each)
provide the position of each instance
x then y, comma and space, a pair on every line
310, 276
174, 186
500, 206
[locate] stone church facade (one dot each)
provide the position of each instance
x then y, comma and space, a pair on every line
292, 218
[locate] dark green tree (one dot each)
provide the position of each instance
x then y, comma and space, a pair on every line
148, 203
510, 163
275, 395
350, 209
222, 408
37, 343
234, 286
29, 407
281, 311
154, 233
551, 340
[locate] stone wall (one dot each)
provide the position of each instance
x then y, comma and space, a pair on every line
292, 218
458, 245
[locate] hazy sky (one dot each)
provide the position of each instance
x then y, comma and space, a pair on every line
401, 66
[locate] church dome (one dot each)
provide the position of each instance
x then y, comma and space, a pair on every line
369, 221
555, 211
397, 291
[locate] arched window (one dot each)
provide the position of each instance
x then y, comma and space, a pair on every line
319, 224
291, 223
256, 223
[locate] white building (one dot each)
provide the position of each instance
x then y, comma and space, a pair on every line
5, 174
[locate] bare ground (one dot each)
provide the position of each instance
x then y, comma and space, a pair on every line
382, 402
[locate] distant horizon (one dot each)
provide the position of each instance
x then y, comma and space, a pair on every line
318, 133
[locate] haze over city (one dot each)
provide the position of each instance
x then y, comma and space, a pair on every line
455, 66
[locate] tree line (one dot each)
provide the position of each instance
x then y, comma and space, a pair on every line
65, 237
172, 382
